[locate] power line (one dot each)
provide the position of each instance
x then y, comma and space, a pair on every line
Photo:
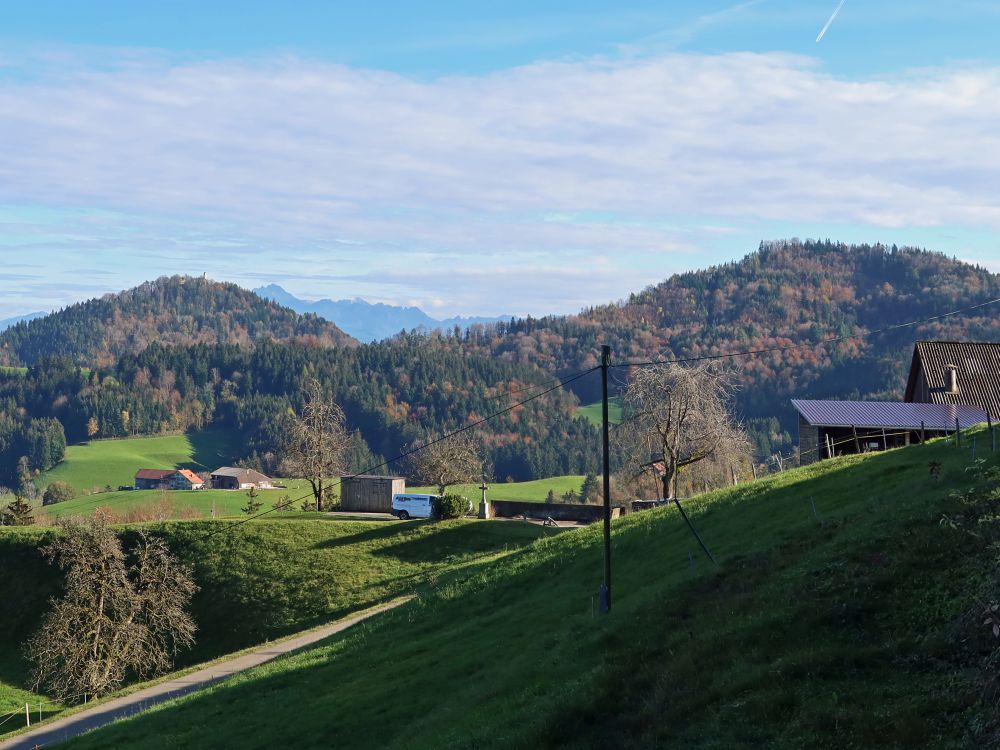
410, 452
845, 337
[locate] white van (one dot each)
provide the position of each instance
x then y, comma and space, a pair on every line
408, 505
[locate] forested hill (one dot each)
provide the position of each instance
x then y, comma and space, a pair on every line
179, 310
784, 293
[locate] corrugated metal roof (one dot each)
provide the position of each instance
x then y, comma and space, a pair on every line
978, 365
239, 473
886, 414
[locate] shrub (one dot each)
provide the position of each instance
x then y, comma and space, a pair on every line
58, 492
452, 506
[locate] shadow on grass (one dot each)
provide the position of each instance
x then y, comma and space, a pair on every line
210, 449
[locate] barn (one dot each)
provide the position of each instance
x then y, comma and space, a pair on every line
185, 479
153, 479
831, 428
369, 493
956, 372
238, 478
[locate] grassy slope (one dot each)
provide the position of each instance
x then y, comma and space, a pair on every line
857, 629
115, 462
593, 412
532, 491
263, 579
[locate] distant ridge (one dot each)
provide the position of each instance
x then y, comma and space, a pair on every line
368, 321
175, 310
6, 323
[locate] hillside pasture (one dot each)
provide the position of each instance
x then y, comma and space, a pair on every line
593, 413
114, 462
261, 580
533, 491
842, 614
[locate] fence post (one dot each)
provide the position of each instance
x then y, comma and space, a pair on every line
27, 716
958, 434
923, 437
829, 445
857, 446
753, 467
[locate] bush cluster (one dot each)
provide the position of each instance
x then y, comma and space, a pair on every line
58, 492
452, 506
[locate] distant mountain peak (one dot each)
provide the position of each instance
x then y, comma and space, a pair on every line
369, 321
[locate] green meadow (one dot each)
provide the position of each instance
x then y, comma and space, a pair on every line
260, 580
845, 611
594, 412
100, 463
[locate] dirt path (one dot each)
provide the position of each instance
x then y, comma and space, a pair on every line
70, 726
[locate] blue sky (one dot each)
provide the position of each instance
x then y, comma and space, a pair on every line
467, 157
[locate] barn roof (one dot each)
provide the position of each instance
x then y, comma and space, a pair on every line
886, 414
239, 473
978, 365
154, 473
190, 476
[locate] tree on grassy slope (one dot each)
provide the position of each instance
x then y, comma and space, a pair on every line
122, 613
317, 442
454, 460
677, 416
17, 513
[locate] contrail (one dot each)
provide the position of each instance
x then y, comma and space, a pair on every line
821, 33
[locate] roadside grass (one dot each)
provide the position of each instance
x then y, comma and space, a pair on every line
100, 463
532, 491
858, 625
593, 412
260, 580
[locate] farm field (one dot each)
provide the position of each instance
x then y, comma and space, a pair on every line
842, 613
592, 412
262, 580
531, 491
114, 462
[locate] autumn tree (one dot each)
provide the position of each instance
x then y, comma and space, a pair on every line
93, 427
454, 460
675, 417
317, 442
122, 614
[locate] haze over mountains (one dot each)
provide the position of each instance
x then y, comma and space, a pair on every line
367, 321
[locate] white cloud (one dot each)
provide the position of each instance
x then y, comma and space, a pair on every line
243, 158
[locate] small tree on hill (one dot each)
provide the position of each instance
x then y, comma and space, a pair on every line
317, 442
677, 416
454, 460
551, 497
17, 513
589, 489
122, 614
253, 504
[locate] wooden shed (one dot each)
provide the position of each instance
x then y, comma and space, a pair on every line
369, 494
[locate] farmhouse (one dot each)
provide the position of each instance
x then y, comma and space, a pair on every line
956, 372
369, 493
236, 478
153, 479
951, 385
185, 479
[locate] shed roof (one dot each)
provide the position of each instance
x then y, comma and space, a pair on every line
347, 477
978, 365
154, 473
886, 414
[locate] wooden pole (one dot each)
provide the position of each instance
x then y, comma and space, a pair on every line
606, 443
27, 715
829, 445
885, 441
857, 446
923, 436
958, 434
753, 468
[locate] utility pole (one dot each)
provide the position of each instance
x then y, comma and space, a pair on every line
605, 594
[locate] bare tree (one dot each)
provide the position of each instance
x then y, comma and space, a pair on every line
454, 460
122, 614
677, 416
317, 442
